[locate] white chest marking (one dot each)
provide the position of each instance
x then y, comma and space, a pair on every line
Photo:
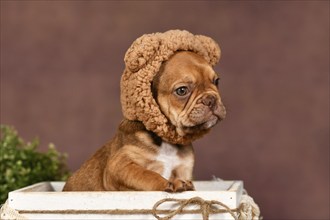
168, 156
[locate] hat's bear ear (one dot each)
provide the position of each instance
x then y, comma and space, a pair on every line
141, 51
211, 47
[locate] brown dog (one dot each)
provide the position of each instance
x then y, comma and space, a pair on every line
186, 90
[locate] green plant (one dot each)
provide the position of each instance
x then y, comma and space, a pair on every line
21, 164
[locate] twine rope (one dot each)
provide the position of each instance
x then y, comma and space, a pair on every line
207, 207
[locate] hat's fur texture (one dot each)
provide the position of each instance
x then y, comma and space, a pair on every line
143, 61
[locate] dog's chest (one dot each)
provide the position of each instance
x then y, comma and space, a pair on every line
168, 156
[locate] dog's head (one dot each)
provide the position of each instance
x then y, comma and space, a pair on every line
186, 89
172, 91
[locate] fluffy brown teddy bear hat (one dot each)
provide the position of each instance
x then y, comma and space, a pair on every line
143, 60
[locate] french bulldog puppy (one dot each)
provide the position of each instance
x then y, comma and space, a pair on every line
186, 90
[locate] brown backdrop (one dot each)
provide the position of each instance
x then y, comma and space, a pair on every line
61, 63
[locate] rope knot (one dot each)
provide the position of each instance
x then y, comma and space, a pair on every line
206, 207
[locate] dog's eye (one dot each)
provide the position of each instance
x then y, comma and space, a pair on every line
216, 81
182, 91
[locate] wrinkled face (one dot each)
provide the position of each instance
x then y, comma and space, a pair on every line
186, 89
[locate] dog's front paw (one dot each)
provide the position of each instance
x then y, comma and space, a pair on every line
178, 185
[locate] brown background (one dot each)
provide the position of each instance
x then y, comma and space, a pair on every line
61, 64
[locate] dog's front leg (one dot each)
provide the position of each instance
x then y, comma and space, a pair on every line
182, 178
122, 173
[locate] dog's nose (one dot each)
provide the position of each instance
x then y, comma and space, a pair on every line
209, 101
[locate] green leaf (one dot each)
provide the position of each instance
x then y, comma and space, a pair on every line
21, 164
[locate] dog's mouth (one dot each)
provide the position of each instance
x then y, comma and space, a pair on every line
205, 125
209, 120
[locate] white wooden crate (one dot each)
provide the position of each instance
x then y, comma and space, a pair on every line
46, 201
